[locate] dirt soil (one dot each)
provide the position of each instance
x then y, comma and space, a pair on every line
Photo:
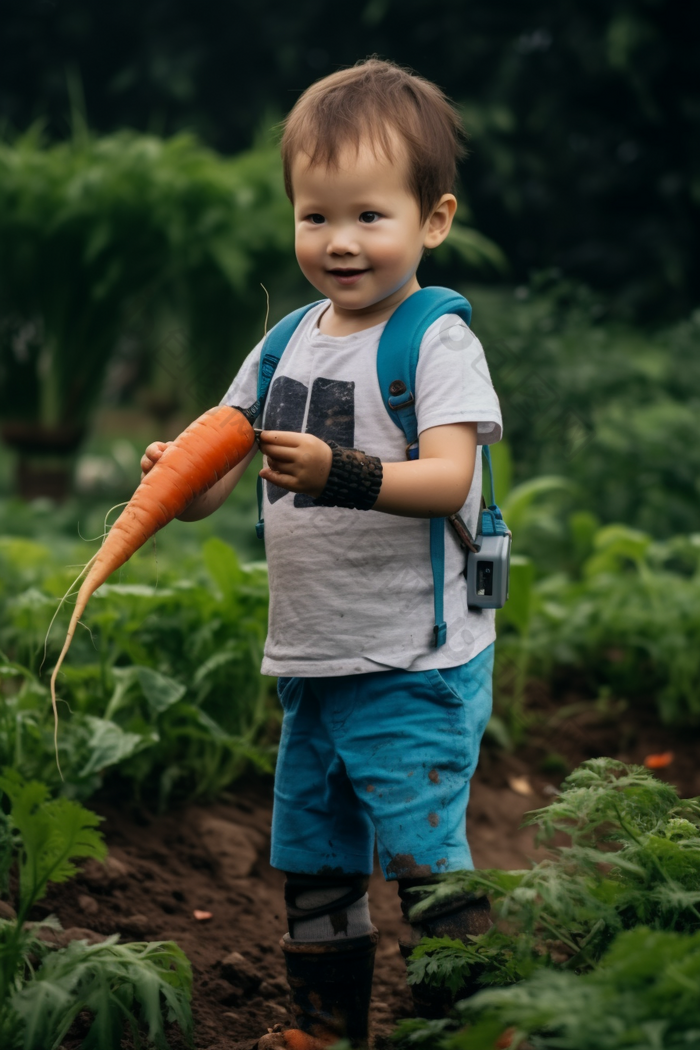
161, 869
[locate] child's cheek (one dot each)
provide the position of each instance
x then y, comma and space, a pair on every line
306, 259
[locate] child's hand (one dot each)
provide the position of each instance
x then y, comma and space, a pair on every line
296, 462
152, 454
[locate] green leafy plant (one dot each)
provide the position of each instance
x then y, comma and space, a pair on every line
611, 602
597, 946
633, 859
630, 620
164, 689
44, 988
645, 995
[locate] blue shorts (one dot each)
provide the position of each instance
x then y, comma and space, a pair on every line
387, 754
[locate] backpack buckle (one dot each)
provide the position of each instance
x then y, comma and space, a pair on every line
399, 395
402, 401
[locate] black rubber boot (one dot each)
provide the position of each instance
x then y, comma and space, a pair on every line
331, 987
461, 918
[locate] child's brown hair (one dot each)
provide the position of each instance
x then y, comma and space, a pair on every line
378, 98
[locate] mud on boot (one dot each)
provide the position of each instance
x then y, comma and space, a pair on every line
460, 918
330, 989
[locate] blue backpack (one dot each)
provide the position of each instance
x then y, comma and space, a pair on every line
397, 360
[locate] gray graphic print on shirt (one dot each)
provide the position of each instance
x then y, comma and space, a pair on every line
331, 416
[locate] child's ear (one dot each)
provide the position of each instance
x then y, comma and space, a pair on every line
440, 220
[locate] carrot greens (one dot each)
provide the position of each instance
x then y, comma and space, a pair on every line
627, 882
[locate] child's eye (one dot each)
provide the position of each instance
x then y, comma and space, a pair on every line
369, 216
316, 219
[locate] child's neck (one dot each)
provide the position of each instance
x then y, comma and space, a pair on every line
337, 320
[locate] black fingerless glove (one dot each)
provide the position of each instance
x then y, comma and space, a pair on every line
354, 480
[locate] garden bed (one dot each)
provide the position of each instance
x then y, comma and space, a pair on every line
163, 868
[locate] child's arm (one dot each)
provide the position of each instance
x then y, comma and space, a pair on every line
437, 484
210, 500
433, 486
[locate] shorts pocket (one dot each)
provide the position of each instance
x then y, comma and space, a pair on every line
442, 689
469, 685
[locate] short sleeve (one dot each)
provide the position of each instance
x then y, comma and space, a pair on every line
244, 388
453, 383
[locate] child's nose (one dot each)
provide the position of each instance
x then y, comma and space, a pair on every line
342, 242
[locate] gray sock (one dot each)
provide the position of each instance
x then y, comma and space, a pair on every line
350, 922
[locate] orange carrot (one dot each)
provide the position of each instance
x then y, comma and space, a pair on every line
659, 761
294, 1039
195, 461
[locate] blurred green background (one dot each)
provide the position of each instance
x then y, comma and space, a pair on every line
141, 210
583, 113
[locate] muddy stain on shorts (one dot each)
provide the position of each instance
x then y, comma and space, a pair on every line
404, 866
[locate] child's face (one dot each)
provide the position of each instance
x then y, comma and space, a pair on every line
359, 236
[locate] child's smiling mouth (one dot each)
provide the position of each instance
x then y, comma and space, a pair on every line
346, 275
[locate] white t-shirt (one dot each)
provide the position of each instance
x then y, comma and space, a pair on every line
352, 591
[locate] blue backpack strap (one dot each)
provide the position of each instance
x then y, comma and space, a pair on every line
272, 349
399, 347
397, 361
275, 344
437, 564
492, 523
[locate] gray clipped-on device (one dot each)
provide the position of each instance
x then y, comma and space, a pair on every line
487, 572
488, 555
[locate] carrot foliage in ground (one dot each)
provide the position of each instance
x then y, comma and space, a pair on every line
43, 988
633, 861
645, 995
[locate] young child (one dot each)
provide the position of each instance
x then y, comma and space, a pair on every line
381, 729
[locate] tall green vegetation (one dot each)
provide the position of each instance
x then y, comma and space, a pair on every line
127, 235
